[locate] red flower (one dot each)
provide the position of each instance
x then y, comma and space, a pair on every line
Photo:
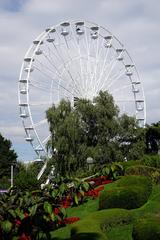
26, 215
100, 188
24, 237
71, 220
56, 211
17, 222
106, 182
66, 203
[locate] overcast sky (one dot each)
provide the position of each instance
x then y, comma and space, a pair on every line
136, 24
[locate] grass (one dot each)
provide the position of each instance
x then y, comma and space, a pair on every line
89, 214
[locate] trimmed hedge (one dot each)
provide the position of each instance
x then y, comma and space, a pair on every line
147, 228
99, 222
129, 192
89, 236
142, 170
151, 161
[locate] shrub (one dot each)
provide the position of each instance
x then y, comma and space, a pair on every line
147, 228
151, 172
130, 163
4, 183
156, 177
29, 214
99, 222
135, 181
88, 236
129, 192
151, 161
26, 181
140, 170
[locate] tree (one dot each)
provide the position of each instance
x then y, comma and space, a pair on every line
8, 157
66, 136
153, 138
131, 138
92, 129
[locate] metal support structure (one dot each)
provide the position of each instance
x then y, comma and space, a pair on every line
12, 175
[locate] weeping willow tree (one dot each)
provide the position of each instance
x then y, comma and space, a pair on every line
91, 129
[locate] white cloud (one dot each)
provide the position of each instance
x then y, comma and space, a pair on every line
12, 131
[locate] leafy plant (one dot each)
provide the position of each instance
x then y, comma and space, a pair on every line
30, 214
113, 171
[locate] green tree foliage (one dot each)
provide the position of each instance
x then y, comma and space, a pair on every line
26, 180
153, 137
91, 129
25, 176
8, 157
131, 138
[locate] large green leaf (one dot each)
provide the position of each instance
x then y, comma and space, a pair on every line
106, 171
62, 188
12, 212
19, 213
32, 210
52, 216
63, 211
85, 186
6, 226
47, 207
76, 199
81, 192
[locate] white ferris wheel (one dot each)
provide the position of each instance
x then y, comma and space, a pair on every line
75, 59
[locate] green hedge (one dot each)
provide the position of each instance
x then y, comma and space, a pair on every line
140, 170
97, 223
130, 163
152, 172
147, 228
89, 236
134, 180
151, 161
129, 192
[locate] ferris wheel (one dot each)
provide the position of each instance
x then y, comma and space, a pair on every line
75, 59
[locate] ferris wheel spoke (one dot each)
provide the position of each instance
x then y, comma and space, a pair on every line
125, 100
100, 82
53, 65
112, 67
96, 61
88, 65
40, 85
51, 78
115, 78
70, 75
57, 72
77, 45
44, 141
40, 103
53, 91
60, 74
120, 88
42, 69
104, 63
43, 121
